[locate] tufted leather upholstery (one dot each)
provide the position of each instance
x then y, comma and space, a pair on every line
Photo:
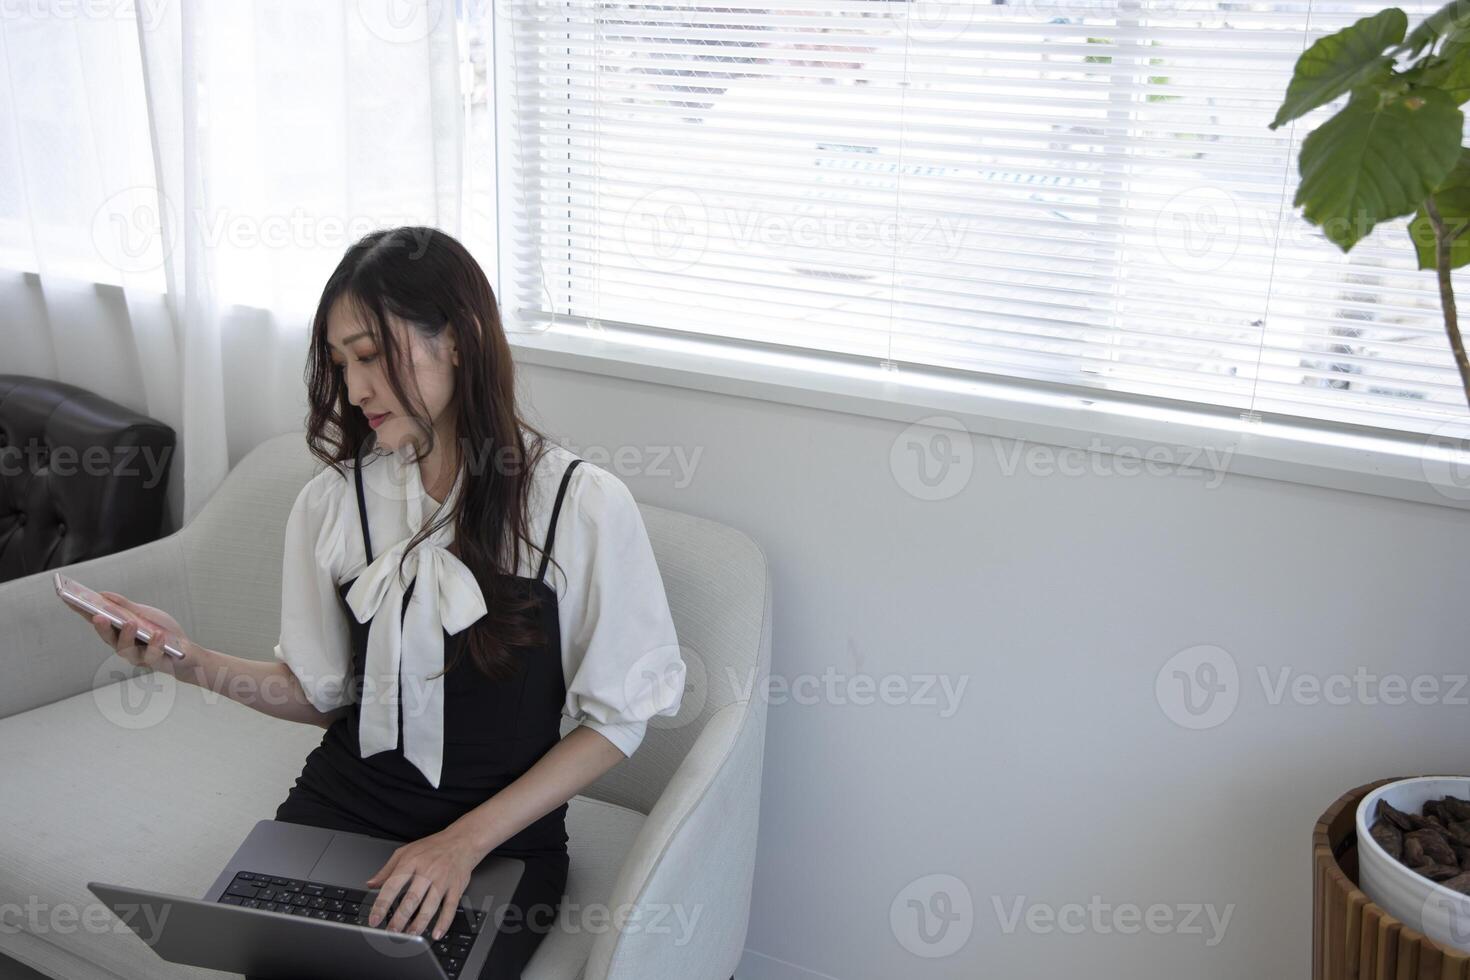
80, 476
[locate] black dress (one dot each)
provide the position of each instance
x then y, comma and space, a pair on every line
494, 730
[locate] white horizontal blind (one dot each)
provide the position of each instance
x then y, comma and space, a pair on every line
1074, 192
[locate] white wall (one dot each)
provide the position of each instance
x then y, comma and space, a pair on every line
1056, 600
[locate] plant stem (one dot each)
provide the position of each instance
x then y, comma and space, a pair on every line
1447, 294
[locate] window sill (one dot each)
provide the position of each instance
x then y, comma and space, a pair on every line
1147, 435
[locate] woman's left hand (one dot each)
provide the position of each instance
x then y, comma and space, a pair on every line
432, 873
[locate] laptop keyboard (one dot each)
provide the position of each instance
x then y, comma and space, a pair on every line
311, 899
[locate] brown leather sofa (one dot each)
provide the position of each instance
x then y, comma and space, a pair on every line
80, 476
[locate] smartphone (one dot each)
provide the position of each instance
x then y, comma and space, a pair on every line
83, 599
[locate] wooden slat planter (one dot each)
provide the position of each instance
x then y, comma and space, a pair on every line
1353, 939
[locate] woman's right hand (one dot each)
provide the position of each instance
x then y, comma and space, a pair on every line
160, 625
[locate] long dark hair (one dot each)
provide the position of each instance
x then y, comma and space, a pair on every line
427, 279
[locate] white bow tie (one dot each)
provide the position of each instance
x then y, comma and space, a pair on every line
446, 596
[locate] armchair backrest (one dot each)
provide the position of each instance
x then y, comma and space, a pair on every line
234, 545
717, 583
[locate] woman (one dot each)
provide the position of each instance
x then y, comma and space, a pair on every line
453, 584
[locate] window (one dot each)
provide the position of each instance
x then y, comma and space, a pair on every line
1083, 193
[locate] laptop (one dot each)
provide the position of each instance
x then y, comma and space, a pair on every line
290, 905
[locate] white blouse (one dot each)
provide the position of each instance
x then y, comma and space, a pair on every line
619, 652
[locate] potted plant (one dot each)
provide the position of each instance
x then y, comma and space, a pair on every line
1394, 148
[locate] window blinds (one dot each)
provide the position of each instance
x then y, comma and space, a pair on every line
1083, 193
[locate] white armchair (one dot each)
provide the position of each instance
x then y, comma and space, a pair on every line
137, 779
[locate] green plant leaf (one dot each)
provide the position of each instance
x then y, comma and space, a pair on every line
1337, 62
1449, 19
1450, 72
1377, 88
1452, 200
1370, 163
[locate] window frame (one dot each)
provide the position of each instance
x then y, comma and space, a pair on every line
1143, 435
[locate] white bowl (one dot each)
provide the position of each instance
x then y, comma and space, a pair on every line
1438, 912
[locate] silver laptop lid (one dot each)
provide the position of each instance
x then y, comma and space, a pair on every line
266, 944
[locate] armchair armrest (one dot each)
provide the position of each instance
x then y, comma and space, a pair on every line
47, 652
682, 899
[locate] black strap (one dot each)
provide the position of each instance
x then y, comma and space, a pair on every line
561, 492
367, 538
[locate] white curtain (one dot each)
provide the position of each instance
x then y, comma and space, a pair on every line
179, 177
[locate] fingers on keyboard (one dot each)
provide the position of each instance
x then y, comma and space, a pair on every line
310, 899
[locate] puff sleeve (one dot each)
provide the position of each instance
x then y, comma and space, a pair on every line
620, 651
315, 642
